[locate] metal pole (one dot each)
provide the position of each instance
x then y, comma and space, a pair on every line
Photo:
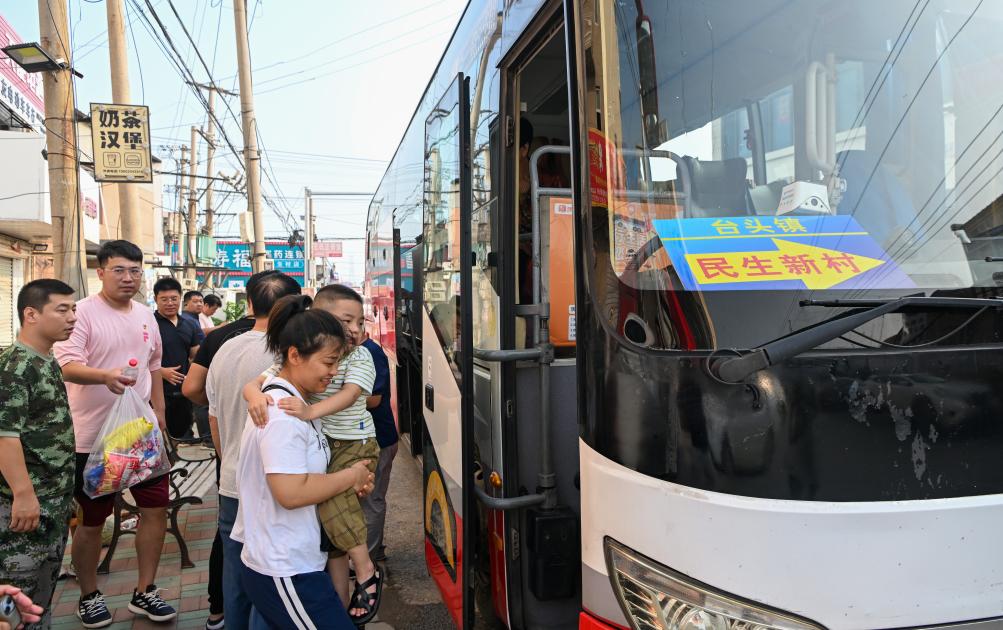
128, 194
210, 151
176, 226
308, 271
191, 231
68, 252
249, 125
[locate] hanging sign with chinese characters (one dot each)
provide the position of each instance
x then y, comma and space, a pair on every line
121, 139
778, 253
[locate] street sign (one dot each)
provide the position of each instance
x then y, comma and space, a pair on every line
777, 253
120, 135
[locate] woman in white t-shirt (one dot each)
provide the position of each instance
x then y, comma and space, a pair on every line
281, 477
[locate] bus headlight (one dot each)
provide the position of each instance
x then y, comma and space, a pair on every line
654, 597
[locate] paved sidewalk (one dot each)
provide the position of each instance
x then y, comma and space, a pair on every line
183, 589
411, 600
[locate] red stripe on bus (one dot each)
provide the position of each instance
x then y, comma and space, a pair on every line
588, 622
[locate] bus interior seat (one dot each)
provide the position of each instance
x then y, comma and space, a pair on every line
718, 187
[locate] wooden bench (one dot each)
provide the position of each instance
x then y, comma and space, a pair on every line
191, 478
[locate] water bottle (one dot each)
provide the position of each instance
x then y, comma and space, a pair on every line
131, 372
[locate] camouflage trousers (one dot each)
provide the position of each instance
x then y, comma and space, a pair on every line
31, 561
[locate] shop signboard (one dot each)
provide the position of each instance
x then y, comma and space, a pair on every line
236, 257
327, 249
120, 135
20, 91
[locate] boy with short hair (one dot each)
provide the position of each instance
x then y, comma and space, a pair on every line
36, 445
349, 428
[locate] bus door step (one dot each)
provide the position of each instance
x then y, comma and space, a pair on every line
554, 553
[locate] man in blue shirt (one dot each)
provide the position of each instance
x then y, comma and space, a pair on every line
191, 309
181, 338
374, 506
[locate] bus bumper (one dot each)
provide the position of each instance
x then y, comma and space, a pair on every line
588, 622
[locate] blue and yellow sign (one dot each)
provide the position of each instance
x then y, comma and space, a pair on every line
778, 253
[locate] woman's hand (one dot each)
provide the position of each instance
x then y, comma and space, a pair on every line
295, 407
364, 479
257, 408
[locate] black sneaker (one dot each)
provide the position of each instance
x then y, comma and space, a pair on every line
93, 611
151, 605
219, 624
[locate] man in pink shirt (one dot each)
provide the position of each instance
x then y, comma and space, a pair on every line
112, 330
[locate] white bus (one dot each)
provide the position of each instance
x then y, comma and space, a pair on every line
694, 311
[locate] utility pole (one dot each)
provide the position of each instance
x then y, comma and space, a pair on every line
210, 137
309, 276
128, 195
250, 128
191, 232
178, 228
68, 251
210, 150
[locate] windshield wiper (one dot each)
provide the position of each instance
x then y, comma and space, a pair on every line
734, 370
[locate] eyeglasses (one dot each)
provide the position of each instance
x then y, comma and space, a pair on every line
135, 272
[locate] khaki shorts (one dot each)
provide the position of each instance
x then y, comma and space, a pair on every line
341, 516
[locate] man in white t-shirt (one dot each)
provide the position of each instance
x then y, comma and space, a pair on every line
238, 361
210, 304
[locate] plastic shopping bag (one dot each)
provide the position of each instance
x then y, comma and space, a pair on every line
128, 450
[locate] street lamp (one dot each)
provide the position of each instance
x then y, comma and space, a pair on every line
33, 58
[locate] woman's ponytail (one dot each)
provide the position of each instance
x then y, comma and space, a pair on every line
291, 324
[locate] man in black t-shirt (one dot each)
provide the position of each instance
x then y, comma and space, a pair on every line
180, 341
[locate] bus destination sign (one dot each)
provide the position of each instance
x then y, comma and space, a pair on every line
777, 253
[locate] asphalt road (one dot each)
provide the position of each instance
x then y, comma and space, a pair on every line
410, 598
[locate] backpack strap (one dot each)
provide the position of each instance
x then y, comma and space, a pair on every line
272, 386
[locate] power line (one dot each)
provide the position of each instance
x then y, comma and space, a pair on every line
379, 44
288, 221
356, 65
341, 39
139, 62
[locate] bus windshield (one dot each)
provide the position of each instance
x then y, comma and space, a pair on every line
747, 156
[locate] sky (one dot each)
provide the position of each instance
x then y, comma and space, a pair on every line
335, 85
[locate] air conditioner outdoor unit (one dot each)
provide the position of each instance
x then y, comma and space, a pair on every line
269, 264
189, 284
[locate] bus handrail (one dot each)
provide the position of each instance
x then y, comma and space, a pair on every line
507, 503
508, 356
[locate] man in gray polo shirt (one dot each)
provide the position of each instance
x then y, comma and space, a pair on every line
238, 361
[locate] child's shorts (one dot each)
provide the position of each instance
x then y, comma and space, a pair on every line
341, 516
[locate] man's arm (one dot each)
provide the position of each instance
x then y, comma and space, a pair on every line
157, 398
81, 374
372, 402
193, 387
214, 431
24, 510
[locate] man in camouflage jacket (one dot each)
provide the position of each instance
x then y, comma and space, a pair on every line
36, 445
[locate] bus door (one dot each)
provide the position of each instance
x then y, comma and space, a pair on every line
526, 490
408, 313
446, 352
